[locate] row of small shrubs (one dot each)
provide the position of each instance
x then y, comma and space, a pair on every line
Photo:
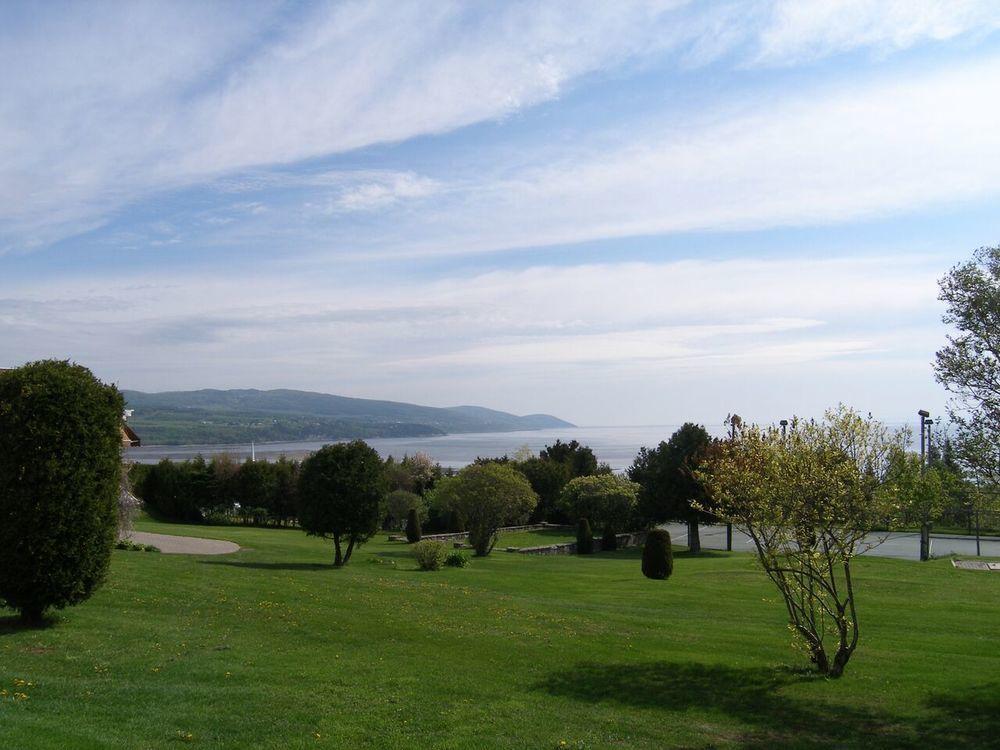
129, 546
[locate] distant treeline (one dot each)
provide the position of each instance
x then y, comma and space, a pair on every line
167, 427
264, 493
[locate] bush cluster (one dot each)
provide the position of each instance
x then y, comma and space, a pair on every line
456, 559
430, 554
129, 546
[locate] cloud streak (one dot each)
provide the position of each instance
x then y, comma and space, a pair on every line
104, 106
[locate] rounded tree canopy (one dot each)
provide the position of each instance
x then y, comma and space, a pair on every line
606, 499
487, 496
60, 473
342, 493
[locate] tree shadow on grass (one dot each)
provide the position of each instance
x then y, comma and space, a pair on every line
757, 699
270, 566
14, 624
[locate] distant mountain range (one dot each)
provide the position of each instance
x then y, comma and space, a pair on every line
239, 416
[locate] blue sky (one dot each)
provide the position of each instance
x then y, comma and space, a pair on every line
620, 213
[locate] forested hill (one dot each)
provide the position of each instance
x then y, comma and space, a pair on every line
239, 416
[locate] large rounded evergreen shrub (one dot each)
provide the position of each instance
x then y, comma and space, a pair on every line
657, 555
60, 472
584, 537
413, 533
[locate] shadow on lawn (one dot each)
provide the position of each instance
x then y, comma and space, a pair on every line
14, 624
756, 698
270, 566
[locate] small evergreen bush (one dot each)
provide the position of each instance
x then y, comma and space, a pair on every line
429, 554
413, 526
657, 555
584, 537
456, 559
609, 540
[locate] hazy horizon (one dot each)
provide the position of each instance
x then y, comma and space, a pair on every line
618, 214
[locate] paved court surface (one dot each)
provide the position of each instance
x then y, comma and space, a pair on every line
184, 545
902, 545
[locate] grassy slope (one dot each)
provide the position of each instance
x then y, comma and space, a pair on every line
271, 647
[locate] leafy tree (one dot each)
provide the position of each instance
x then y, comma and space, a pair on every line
809, 501
284, 499
486, 497
60, 472
547, 479
399, 505
969, 366
177, 491
255, 484
584, 537
413, 533
671, 490
579, 460
606, 499
224, 488
921, 492
341, 495
422, 471
657, 555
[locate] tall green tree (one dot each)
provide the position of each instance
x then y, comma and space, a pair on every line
342, 495
284, 500
547, 479
486, 497
60, 471
605, 499
671, 489
579, 460
969, 366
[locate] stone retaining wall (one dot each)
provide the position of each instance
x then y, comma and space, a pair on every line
463, 534
630, 539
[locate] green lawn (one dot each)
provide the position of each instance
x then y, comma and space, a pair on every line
273, 648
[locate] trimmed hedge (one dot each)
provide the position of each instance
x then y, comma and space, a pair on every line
60, 477
657, 555
413, 532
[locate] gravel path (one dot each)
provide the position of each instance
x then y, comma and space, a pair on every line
184, 545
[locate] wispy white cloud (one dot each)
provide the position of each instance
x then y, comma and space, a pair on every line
803, 30
826, 156
103, 104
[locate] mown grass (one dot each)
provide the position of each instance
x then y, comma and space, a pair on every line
271, 647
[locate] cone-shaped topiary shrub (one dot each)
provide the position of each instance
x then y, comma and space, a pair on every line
609, 540
584, 537
413, 526
657, 556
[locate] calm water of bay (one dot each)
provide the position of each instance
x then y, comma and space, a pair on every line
614, 445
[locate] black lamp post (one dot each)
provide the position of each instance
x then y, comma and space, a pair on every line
925, 527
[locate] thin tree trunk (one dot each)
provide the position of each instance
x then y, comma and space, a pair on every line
350, 549
925, 541
338, 560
